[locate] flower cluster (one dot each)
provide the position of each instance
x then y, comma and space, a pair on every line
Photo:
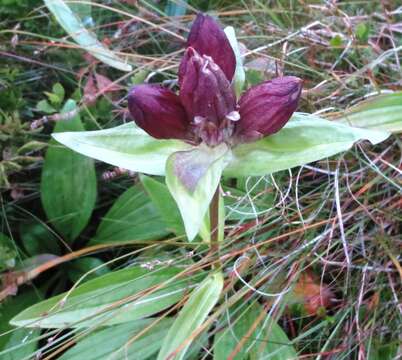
206, 109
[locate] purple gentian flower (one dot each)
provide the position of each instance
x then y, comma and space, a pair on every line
206, 109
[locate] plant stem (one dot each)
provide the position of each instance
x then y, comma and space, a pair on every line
214, 226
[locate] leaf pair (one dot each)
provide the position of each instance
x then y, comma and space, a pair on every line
193, 173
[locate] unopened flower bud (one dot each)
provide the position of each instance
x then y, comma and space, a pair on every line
266, 108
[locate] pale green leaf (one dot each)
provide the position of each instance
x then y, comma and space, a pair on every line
191, 317
114, 298
87, 40
383, 112
68, 183
239, 75
192, 178
114, 342
304, 139
125, 146
133, 217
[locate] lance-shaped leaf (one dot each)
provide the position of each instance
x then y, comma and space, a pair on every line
68, 182
304, 139
192, 178
125, 146
87, 40
191, 317
239, 75
380, 112
117, 297
115, 342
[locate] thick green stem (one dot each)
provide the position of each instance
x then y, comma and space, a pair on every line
214, 226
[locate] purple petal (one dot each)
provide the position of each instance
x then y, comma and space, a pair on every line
208, 38
266, 108
206, 94
158, 111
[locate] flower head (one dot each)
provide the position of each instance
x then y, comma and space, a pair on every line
206, 109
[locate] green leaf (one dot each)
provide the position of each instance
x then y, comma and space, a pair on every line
164, 202
38, 239
267, 341
192, 178
31, 146
87, 40
114, 342
83, 10
68, 183
126, 146
304, 139
16, 344
113, 298
173, 8
44, 106
88, 267
8, 252
383, 112
239, 75
362, 32
58, 90
336, 41
133, 217
379, 351
191, 317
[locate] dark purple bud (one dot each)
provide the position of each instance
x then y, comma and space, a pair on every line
158, 111
266, 108
208, 38
207, 96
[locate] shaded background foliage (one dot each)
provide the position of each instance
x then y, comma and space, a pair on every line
340, 307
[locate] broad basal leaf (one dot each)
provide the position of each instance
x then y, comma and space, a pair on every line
192, 178
266, 341
164, 202
114, 298
116, 342
125, 146
133, 217
87, 40
68, 184
16, 344
192, 316
304, 139
383, 112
